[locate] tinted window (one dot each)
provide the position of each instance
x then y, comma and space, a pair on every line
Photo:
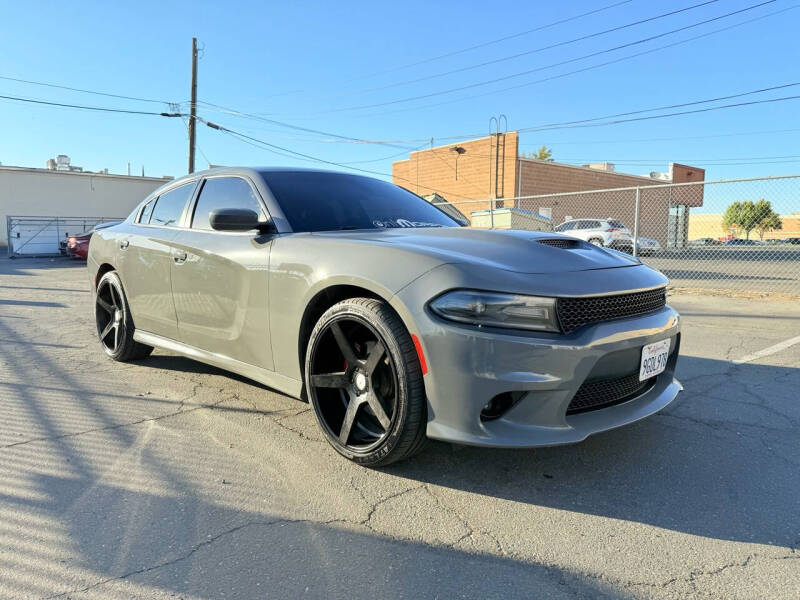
314, 201
169, 206
148, 208
566, 226
224, 192
617, 224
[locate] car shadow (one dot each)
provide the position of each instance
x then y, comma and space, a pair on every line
726, 447
721, 461
171, 362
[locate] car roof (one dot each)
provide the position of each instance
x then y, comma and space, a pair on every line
252, 172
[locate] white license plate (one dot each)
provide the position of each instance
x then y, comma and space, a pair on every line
654, 359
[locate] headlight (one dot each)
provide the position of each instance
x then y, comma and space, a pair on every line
497, 310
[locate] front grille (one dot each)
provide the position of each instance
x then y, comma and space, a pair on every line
577, 312
606, 392
560, 243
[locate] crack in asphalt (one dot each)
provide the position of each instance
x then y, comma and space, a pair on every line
178, 412
207, 542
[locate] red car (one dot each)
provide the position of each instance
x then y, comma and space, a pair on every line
78, 245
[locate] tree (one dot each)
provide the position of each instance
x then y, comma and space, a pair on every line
771, 222
543, 153
748, 216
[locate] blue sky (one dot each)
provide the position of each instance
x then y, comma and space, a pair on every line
310, 63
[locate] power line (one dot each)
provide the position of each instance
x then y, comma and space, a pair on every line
674, 114
588, 68
490, 42
261, 118
83, 91
668, 139
95, 108
284, 151
558, 64
565, 124
543, 48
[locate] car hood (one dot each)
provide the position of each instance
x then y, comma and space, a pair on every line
518, 251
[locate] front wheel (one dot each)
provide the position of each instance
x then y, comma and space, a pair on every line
114, 322
596, 241
365, 383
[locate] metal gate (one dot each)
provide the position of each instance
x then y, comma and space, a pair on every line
41, 236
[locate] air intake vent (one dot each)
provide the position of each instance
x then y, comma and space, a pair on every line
560, 243
577, 312
607, 392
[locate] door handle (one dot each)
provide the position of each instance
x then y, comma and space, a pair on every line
124, 244
180, 257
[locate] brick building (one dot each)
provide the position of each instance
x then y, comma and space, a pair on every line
468, 174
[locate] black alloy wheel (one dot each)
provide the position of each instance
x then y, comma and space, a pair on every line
114, 323
365, 384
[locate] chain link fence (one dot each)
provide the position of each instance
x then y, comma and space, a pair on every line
728, 235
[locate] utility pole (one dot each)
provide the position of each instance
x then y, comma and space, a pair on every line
193, 106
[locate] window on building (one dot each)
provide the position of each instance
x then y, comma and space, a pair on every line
224, 192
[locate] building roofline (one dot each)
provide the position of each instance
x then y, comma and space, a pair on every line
591, 170
84, 173
458, 143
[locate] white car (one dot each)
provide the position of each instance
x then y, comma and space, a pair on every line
600, 232
646, 246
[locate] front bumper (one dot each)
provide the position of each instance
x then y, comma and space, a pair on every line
468, 366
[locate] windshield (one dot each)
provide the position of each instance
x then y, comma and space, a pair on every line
319, 201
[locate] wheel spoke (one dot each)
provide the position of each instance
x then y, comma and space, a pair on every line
344, 345
380, 413
374, 357
114, 298
349, 419
330, 380
105, 306
107, 330
116, 335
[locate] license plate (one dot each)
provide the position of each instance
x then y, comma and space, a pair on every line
654, 359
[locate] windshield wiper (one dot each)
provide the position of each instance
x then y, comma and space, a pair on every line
347, 227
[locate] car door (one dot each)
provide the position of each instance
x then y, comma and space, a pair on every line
146, 261
220, 278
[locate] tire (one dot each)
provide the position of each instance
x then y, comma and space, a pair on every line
596, 241
364, 381
114, 322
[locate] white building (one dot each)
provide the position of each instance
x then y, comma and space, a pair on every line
63, 190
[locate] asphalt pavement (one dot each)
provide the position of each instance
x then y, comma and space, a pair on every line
167, 478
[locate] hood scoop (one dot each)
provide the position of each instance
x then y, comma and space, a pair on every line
566, 244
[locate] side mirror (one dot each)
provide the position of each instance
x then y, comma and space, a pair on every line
237, 219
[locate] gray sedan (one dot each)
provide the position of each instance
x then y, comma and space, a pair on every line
394, 322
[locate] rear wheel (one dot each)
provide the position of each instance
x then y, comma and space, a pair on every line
365, 383
114, 323
596, 241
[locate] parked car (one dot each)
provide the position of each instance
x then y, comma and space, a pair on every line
738, 242
77, 246
646, 246
600, 232
707, 241
395, 323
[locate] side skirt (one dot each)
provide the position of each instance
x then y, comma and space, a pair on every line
287, 385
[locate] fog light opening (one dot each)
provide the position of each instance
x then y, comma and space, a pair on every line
500, 405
